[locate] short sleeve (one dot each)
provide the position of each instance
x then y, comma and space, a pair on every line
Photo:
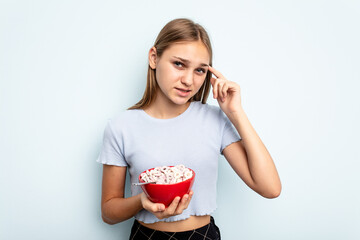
112, 148
229, 134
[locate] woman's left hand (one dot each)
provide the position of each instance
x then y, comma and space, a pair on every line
226, 92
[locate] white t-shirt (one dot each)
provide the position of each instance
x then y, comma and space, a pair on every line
195, 139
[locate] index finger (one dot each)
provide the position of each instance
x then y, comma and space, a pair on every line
216, 72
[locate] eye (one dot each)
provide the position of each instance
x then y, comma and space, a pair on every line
201, 70
178, 64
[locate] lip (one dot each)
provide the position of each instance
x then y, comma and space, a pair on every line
181, 92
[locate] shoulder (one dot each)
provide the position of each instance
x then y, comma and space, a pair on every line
212, 110
209, 113
123, 119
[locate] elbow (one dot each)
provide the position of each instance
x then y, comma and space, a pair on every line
106, 215
274, 193
107, 221
271, 193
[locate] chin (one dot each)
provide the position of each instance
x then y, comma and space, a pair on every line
180, 101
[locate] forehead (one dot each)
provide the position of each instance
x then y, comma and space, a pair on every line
196, 52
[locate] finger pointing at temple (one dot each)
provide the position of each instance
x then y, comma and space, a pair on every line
216, 72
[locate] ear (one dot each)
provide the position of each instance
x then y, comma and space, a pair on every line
152, 57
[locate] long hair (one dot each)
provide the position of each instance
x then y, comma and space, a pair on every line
177, 30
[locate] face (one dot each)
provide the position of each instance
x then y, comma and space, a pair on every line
181, 71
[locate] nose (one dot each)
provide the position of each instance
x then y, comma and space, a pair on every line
187, 79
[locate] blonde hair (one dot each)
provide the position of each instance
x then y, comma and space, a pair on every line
177, 30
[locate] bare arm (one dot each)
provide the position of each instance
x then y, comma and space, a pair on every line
251, 160
249, 157
114, 207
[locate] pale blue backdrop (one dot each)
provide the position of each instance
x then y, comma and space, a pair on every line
68, 66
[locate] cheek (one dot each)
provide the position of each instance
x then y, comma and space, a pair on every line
167, 73
199, 80
174, 74
166, 77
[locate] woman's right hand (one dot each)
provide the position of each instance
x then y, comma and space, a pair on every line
160, 211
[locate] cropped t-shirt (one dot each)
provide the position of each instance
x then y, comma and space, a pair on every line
195, 139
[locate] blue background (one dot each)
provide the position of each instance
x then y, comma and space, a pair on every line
68, 66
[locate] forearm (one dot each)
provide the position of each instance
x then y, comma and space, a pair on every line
117, 210
261, 166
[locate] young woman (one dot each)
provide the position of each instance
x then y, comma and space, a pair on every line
171, 125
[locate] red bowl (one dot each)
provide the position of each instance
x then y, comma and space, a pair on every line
165, 193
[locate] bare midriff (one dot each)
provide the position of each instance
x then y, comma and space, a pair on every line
191, 223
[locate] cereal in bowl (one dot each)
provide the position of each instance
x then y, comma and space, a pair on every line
167, 175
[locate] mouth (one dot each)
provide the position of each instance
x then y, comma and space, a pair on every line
183, 90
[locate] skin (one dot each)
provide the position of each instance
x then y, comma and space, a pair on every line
172, 73
249, 157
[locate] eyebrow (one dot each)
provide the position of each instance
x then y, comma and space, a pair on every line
187, 61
